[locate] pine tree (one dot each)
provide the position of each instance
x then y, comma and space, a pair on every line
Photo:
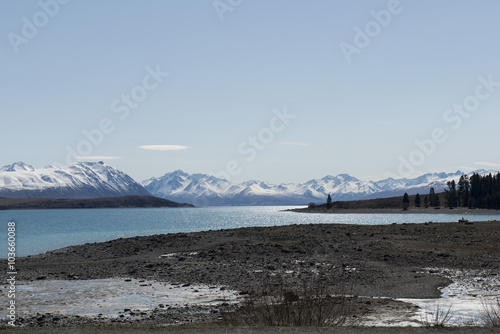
329, 202
417, 201
463, 191
437, 202
451, 194
406, 201
426, 201
432, 198
475, 189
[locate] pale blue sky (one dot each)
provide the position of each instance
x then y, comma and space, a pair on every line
227, 76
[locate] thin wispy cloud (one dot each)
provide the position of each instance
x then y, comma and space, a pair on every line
163, 147
293, 143
97, 157
487, 164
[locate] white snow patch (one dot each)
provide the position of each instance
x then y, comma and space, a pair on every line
465, 298
109, 297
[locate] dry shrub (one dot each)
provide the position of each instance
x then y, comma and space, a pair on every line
491, 313
440, 318
287, 304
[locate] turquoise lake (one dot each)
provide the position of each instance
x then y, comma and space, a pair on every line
38, 231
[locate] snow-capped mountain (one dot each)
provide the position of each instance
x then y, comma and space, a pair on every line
17, 167
78, 180
96, 179
203, 190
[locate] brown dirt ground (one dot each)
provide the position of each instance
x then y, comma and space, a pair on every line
375, 260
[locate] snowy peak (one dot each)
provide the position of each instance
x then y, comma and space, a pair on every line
179, 173
191, 185
347, 178
78, 180
17, 167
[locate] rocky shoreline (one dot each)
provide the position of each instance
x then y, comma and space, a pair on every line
412, 210
368, 261
131, 201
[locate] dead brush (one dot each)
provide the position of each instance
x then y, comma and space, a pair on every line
491, 313
439, 318
286, 304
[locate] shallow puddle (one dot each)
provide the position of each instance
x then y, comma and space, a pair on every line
109, 297
463, 302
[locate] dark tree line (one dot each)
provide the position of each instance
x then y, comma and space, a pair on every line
475, 192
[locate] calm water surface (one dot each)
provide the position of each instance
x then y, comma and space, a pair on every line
38, 231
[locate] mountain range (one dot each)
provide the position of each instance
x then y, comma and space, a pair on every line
204, 190
97, 179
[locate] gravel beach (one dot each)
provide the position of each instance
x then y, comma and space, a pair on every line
365, 261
